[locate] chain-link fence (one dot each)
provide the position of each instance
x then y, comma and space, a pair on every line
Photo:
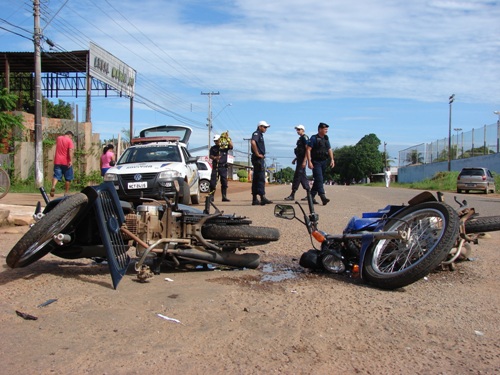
478, 141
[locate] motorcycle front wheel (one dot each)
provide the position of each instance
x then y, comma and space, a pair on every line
35, 243
433, 228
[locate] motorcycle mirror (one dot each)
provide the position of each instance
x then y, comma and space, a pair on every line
284, 211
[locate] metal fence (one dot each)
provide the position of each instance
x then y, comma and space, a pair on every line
478, 141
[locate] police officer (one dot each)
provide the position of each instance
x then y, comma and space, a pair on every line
318, 152
218, 155
299, 177
259, 165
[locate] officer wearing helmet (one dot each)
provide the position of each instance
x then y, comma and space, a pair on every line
218, 156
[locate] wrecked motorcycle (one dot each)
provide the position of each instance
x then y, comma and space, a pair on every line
95, 224
397, 245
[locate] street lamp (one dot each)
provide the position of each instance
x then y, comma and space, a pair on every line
498, 130
457, 130
451, 99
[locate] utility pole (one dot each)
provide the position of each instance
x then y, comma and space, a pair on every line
248, 163
209, 118
451, 99
37, 36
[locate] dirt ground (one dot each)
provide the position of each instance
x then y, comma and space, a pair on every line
278, 318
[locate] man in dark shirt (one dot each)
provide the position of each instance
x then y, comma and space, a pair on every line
218, 155
259, 165
299, 177
318, 152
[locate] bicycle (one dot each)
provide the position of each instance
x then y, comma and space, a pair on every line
4, 183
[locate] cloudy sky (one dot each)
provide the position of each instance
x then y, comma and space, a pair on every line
385, 67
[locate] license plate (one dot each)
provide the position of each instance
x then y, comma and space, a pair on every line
137, 185
471, 185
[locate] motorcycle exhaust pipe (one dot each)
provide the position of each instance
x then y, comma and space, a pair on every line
248, 260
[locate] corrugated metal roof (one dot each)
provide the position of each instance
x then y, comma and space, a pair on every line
52, 62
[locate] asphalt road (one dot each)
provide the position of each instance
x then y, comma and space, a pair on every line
355, 196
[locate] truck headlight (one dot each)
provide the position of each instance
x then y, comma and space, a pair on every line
110, 177
169, 174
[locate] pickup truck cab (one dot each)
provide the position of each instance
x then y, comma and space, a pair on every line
149, 167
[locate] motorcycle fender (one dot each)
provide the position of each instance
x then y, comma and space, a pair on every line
425, 196
366, 242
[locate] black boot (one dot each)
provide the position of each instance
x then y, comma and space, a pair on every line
224, 197
291, 197
324, 199
264, 200
255, 201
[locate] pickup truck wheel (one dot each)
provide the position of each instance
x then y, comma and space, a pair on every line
185, 194
195, 199
35, 243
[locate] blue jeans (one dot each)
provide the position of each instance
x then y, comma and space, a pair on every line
299, 177
259, 176
63, 170
319, 168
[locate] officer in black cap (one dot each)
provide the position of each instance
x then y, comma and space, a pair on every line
318, 152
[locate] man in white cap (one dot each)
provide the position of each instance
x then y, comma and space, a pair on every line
299, 177
218, 155
259, 165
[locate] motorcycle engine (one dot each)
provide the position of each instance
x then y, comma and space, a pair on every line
146, 224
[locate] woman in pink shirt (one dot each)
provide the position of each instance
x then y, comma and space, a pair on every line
107, 158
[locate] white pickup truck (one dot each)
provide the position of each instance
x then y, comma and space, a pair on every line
149, 167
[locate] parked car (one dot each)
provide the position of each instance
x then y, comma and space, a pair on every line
204, 173
475, 179
156, 159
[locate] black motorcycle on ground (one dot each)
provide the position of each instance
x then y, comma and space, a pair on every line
95, 224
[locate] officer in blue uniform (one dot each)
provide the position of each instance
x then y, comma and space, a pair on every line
318, 153
259, 165
299, 177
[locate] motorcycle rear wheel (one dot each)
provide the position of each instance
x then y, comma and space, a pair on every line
240, 232
35, 243
482, 224
433, 228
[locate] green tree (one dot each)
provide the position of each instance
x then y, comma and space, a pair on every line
9, 122
286, 174
60, 110
358, 161
415, 157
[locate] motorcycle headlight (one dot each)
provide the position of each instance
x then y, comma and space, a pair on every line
110, 177
333, 264
169, 174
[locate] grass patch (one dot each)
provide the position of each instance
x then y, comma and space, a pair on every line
441, 181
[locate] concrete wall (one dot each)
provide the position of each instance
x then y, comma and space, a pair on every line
421, 172
87, 143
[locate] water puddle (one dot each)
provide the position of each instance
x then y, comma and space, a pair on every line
272, 274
